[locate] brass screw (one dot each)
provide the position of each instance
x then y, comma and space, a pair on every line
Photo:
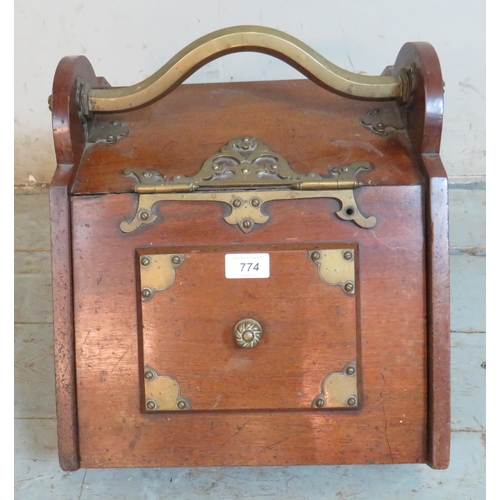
151, 404
255, 202
274, 166
144, 215
175, 259
149, 375
320, 403
181, 404
349, 287
110, 139
352, 401
347, 255
315, 256
145, 261
247, 223
147, 174
245, 170
216, 167
350, 370
379, 127
146, 293
237, 203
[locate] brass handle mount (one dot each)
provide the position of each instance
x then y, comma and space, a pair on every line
247, 333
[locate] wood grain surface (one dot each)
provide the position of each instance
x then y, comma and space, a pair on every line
391, 428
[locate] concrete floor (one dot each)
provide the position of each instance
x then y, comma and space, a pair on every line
37, 472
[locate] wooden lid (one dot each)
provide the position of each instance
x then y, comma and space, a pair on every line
313, 129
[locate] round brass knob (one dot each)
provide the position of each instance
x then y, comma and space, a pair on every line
247, 333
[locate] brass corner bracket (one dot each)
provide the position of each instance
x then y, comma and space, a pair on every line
339, 389
246, 174
382, 121
158, 272
162, 393
336, 267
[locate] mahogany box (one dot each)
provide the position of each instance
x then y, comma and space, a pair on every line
251, 273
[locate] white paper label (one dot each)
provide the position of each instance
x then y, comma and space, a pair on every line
247, 265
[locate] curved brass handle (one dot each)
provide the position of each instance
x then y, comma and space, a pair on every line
240, 39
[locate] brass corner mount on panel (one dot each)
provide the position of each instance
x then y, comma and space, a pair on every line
336, 267
382, 121
245, 175
162, 393
158, 272
339, 389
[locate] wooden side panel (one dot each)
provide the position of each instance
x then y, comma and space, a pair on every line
424, 118
438, 314
64, 339
69, 142
391, 427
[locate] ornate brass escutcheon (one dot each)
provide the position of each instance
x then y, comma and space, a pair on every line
162, 392
245, 175
339, 389
247, 333
336, 267
158, 272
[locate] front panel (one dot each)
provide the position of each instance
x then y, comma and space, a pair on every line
258, 405
272, 328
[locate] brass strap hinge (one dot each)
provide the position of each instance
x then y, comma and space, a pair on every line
245, 174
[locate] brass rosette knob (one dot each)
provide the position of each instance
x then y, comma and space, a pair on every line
247, 333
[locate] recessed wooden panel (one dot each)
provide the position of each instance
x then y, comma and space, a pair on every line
187, 329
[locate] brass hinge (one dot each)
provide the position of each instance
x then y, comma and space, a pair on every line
245, 174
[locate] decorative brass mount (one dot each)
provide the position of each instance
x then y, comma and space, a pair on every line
239, 39
162, 393
339, 389
158, 273
105, 131
245, 174
336, 267
382, 121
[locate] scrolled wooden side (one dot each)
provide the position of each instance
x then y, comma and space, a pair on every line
423, 116
69, 142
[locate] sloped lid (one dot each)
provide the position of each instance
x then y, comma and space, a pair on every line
313, 129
